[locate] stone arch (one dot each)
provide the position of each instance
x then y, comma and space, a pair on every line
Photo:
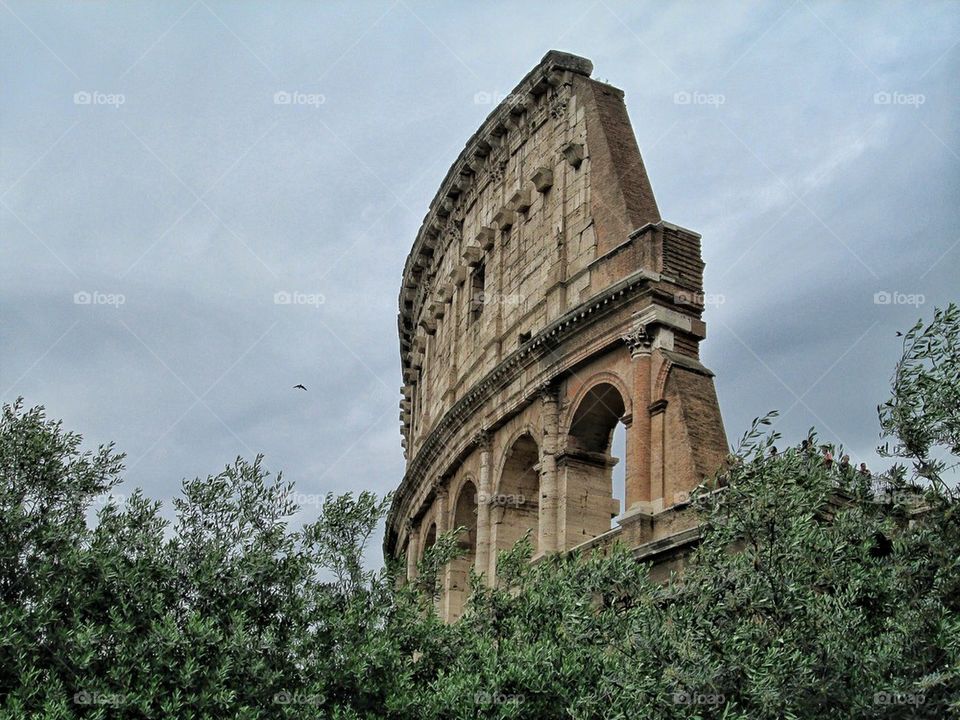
593, 418
455, 489
603, 377
515, 505
660, 384
586, 464
526, 429
464, 513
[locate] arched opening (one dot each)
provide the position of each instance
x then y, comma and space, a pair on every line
595, 486
465, 516
515, 508
429, 540
598, 413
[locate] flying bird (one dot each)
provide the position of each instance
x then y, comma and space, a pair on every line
299, 387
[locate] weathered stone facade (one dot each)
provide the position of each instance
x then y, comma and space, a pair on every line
543, 302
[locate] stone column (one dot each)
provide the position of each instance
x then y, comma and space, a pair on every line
637, 493
484, 492
413, 551
550, 417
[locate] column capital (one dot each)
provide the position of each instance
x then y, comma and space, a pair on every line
548, 392
639, 340
482, 440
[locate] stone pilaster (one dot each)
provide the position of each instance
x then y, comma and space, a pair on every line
549, 491
638, 491
484, 492
413, 551
441, 500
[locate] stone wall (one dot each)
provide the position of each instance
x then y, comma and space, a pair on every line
545, 302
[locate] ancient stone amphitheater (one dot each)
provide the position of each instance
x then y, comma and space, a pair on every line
544, 302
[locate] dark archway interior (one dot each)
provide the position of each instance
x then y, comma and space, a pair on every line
595, 424
598, 414
516, 506
465, 516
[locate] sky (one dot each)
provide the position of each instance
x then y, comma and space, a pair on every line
171, 172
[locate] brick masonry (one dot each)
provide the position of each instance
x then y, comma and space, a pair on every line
544, 302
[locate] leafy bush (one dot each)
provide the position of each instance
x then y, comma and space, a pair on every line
817, 590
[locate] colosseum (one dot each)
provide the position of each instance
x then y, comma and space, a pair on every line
544, 303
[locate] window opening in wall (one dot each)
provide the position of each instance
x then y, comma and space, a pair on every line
477, 295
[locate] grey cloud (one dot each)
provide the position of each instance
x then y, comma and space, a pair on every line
326, 198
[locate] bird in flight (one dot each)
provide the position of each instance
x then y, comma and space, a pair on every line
299, 387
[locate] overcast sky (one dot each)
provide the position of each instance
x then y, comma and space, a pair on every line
149, 165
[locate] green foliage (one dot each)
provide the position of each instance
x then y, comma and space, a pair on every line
922, 411
815, 591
